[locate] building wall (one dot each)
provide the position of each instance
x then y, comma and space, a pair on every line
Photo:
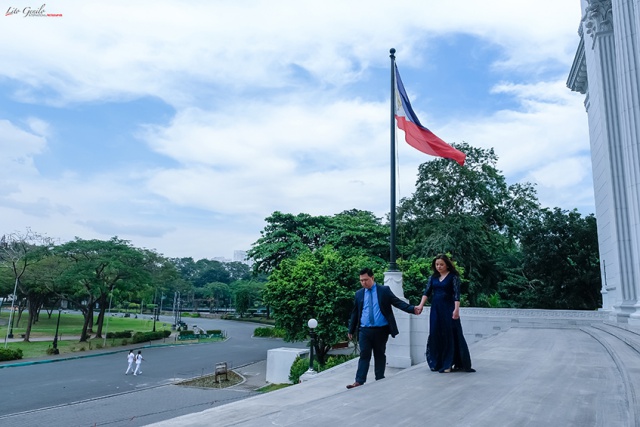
606, 69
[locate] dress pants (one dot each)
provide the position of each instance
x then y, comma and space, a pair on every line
372, 340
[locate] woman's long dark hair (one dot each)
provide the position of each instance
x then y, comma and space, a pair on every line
447, 261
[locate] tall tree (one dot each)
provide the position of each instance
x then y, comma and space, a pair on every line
320, 285
94, 269
561, 268
218, 294
469, 212
36, 286
286, 236
208, 271
245, 294
354, 231
19, 252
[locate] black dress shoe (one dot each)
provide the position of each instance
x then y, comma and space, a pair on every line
354, 385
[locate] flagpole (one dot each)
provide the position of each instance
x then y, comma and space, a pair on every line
392, 241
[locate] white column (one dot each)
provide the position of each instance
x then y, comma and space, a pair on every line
625, 23
598, 25
399, 348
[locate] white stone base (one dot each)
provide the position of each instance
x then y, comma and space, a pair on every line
398, 348
279, 361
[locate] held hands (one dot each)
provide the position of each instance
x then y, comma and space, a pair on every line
417, 310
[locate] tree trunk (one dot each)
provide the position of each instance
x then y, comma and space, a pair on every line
85, 326
100, 322
87, 312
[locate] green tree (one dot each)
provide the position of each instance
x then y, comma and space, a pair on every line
237, 271
209, 271
285, 236
469, 212
355, 232
320, 285
94, 269
36, 286
218, 294
245, 294
560, 264
20, 252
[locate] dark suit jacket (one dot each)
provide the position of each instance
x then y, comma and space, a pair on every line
386, 299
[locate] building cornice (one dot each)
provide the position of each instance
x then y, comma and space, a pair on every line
577, 80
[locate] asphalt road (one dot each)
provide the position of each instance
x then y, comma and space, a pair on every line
34, 387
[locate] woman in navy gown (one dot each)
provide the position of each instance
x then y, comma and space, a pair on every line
446, 347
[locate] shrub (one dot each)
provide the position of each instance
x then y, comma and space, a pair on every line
337, 360
268, 332
301, 365
121, 334
147, 336
10, 354
196, 314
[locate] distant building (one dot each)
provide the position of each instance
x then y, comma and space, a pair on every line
241, 256
606, 69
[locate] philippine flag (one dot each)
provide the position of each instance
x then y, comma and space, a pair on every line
418, 136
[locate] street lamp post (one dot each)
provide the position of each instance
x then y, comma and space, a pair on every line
55, 338
312, 324
11, 324
154, 318
11, 313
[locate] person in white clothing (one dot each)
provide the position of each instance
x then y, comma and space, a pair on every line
139, 360
131, 357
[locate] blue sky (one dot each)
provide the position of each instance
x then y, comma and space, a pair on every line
181, 126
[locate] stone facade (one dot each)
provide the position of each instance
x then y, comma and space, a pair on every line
606, 70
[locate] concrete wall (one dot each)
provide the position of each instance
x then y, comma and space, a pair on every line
479, 323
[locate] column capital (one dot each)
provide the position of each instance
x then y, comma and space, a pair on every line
598, 17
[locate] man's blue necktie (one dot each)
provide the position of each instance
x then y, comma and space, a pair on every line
371, 319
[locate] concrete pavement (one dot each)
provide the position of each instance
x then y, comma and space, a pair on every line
525, 377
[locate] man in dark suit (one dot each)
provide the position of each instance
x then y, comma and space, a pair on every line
373, 317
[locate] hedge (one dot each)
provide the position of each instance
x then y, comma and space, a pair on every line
268, 332
149, 336
10, 354
121, 334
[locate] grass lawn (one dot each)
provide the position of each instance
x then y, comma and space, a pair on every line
69, 332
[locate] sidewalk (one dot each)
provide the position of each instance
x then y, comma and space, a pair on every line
534, 377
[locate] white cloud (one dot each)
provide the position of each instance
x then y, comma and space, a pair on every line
18, 149
310, 145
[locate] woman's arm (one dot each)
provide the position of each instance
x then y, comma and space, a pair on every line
456, 310
456, 296
423, 301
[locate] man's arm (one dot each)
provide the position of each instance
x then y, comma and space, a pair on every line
398, 303
353, 321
